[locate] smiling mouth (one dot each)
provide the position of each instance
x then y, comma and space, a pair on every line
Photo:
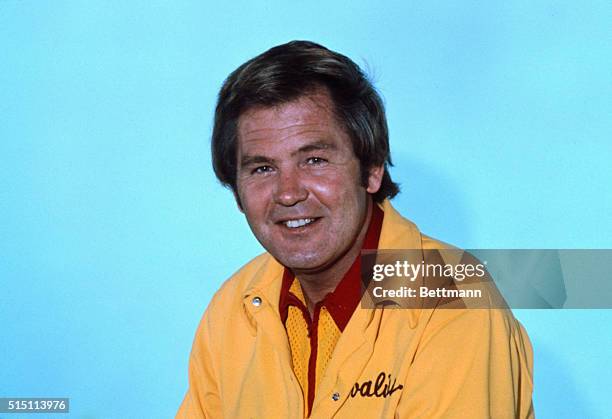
301, 222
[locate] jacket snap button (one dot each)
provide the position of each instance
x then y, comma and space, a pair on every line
336, 397
256, 301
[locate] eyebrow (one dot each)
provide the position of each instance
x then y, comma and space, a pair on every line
317, 145
252, 160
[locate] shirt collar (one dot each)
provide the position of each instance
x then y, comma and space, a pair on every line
340, 303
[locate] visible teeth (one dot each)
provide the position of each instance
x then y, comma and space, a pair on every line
298, 223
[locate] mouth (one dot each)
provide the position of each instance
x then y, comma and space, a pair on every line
298, 223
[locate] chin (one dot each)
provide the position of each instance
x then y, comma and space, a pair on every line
303, 262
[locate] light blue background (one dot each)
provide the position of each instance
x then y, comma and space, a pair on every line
114, 233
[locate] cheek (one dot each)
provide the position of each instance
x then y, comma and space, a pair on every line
253, 199
254, 190
337, 189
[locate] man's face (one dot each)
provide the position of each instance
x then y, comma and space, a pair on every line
299, 184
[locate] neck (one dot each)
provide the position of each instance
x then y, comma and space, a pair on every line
316, 286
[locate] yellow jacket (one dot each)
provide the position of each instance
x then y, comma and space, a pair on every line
388, 363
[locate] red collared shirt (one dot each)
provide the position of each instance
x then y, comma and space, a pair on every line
312, 341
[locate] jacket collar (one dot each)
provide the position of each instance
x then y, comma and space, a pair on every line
397, 232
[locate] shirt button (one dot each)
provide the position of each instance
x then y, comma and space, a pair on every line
256, 301
336, 396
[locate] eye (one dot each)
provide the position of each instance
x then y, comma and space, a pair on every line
315, 161
261, 170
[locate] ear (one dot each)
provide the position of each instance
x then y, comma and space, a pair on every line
375, 177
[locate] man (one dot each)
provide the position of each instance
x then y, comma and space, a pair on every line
300, 137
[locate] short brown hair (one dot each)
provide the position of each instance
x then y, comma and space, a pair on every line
283, 74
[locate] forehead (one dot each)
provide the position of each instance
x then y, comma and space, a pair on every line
311, 113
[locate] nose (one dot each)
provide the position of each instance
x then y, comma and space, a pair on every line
290, 188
